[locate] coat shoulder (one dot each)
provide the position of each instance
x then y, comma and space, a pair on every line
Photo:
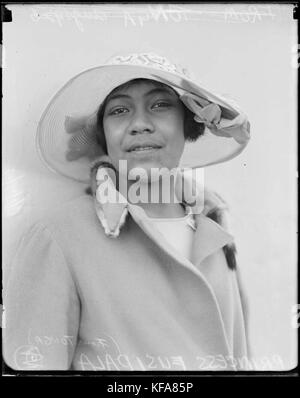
73, 221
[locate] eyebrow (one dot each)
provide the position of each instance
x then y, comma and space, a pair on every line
156, 90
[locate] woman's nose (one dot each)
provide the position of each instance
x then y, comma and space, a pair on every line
141, 123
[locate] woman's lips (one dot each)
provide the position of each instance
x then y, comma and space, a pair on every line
144, 149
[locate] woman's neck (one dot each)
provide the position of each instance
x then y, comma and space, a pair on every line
158, 200
163, 210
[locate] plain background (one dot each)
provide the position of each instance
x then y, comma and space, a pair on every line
246, 51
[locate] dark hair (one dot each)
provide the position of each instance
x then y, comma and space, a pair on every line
192, 129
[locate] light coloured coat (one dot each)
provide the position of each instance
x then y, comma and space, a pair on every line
78, 299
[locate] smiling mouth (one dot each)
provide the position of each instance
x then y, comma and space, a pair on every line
145, 148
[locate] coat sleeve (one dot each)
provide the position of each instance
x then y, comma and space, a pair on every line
41, 306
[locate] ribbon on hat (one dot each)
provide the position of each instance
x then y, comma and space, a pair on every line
211, 115
83, 142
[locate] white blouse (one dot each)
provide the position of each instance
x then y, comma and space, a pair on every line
179, 232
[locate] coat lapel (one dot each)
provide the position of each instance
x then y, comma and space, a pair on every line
209, 237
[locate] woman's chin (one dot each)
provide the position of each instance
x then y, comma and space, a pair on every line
144, 170
151, 173
144, 166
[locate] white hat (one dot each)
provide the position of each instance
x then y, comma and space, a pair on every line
66, 134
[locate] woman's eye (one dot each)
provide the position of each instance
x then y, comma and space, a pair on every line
162, 104
118, 111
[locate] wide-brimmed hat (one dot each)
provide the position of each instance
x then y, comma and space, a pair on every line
66, 134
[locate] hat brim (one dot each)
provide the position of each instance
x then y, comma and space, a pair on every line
83, 94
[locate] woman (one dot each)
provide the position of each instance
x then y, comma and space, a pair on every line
165, 293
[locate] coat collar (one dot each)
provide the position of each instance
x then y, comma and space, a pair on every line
209, 235
112, 207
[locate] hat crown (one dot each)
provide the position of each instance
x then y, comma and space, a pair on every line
150, 60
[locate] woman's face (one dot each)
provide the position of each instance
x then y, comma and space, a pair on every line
144, 125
